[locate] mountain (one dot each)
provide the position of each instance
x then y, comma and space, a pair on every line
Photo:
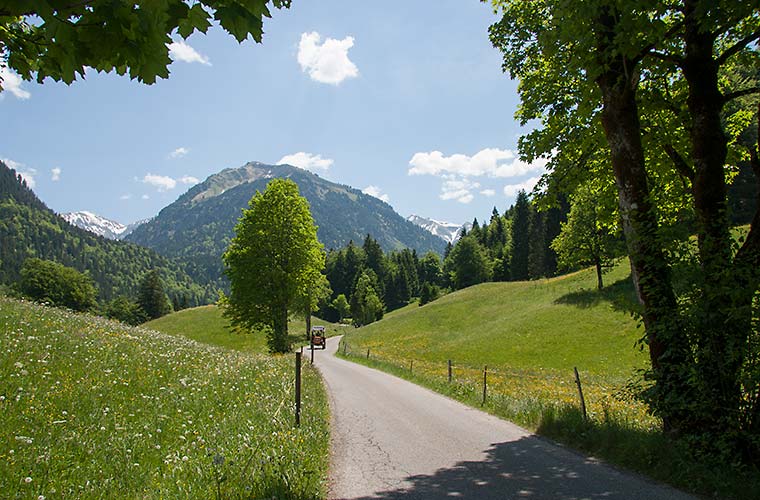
198, 226
100, 225
446, 230
131, 227
95, 224
28, 228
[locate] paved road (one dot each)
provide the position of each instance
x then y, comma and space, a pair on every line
394, 440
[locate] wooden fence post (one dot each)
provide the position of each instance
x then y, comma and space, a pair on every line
485, 383
580, 393
411, 364
312, 353
298, 389
344, 347
367, 352
449, 371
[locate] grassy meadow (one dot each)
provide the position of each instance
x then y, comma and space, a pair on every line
531, 335
206, 324
95, 409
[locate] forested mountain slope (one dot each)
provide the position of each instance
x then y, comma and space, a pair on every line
28, 228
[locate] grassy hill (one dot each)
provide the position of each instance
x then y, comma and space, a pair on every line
95, 409
206, 324
554, 324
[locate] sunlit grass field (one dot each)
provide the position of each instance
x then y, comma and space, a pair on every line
95, 409
206, 324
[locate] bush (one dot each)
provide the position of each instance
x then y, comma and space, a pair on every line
126, 311
429, 293
59, 285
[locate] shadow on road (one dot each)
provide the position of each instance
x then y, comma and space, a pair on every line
525, 468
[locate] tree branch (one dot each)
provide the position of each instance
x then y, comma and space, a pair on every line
682, 167
649, 49
739, 93
678, 61
738, 46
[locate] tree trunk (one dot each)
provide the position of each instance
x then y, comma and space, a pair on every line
599, 282
725, 305
308, 325
668, 349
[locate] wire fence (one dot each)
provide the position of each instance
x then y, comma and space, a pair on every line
518, 393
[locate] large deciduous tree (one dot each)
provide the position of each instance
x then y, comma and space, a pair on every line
58, 285
60, 40
274, 262
638, 91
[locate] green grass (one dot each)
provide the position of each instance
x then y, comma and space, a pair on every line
95, 409
531, 335
553, 324
206, 324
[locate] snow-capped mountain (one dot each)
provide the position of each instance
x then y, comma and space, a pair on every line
449, 231
100, 225
131, 227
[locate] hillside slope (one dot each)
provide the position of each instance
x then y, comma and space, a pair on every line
206, 324
198, 226
28, 228
554, 324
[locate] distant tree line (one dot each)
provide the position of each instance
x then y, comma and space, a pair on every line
366, 282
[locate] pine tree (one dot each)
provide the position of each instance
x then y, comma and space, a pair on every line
537, 244
520, 238
152, 299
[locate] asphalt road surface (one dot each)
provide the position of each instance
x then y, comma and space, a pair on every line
394, 440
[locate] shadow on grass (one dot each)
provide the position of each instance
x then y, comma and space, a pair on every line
621, 295
650, 452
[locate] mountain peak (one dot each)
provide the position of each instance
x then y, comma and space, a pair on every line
199, 225
94, 223
449, 231
229, 178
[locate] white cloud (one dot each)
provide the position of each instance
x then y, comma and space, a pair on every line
56, 174
126, 196
160, 182
189, 179
11, 82
458, 189
328, 62
15, 165
178, 153
306, 161
26, 173
527, 185
486, 162
180, 51
377, 193
145, 197
457, 169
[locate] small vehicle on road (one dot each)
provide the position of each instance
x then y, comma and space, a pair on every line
318, 337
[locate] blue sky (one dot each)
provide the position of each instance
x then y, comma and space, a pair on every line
403, 99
